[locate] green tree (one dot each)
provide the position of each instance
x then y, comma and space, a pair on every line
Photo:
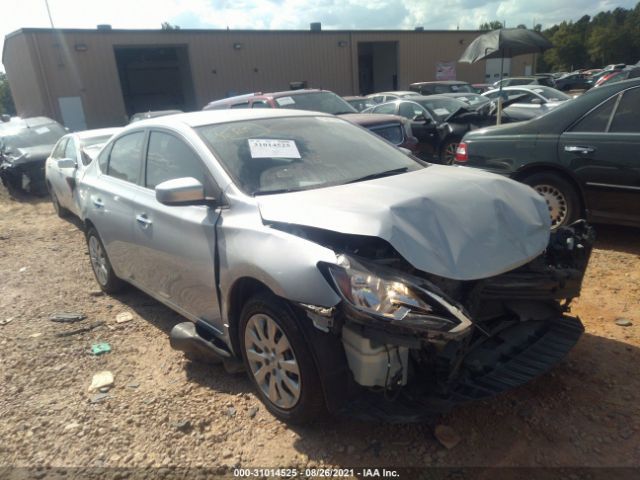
168, 26
6, 100
495, 25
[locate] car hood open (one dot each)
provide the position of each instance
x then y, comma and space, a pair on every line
456, 222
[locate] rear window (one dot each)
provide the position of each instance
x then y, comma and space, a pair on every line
392, 133
34, 136
125, 158
326, 102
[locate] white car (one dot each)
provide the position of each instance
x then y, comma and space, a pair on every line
67, 163
533, 100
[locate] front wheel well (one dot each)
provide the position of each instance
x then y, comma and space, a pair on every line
523, 174
241, 291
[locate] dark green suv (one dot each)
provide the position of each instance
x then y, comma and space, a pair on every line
583, 157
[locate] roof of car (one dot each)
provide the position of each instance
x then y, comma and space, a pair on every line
97, 132
208, 117
396, 92
442, 82
367, 119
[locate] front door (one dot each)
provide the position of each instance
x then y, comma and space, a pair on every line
176, 246
602, 150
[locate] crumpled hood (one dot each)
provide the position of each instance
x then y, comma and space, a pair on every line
26, 155
456, 222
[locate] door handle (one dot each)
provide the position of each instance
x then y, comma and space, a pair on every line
579, 149
97, 202
143, 220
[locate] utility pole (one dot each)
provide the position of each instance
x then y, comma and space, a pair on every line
46, 2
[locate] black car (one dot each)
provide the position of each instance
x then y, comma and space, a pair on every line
440, 121
25, 145
573, 81
441, 86
582, 156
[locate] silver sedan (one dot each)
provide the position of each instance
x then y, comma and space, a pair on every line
330, 265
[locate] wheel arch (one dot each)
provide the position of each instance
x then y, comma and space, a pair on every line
240, 291
563, 173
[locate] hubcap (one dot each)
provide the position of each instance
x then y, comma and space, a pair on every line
450, 153
98, 261
272, 361
556, 201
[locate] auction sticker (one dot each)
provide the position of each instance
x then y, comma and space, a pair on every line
284, 101
271, 148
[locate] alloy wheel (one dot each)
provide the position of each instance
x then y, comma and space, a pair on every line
449, 153
557, 203
98, 260
272, 361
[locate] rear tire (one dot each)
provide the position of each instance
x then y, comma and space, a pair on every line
100, 264
279, 361
561, 197
448, 151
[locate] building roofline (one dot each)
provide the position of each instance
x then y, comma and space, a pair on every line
222, 30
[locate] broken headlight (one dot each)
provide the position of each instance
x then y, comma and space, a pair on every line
394, 298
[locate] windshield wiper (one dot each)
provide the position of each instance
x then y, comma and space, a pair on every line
386, 173
274, 191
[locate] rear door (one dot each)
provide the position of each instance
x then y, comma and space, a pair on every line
111, 196
602, 149
176, 246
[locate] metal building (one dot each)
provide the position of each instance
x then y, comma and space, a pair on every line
97, 78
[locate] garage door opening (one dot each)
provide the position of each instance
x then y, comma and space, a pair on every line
377, 66
155, 78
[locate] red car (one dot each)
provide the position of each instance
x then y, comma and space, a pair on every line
392, 128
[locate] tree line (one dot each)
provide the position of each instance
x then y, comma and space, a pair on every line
591, 42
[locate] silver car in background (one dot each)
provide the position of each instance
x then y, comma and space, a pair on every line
66, 164
341, 273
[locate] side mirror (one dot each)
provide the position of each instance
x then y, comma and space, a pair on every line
536, 101
67, 163
181, 191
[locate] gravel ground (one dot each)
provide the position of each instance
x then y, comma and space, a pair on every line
166, 411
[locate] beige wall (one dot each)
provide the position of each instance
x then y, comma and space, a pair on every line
43, 65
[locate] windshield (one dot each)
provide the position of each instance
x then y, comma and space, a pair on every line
299, 153
551, 94
460, 87
360, 104
473, 99
91, 141
441, 108
326, 102
32, 137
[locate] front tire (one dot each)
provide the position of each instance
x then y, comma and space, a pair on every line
100, 264
561, 197
279, 361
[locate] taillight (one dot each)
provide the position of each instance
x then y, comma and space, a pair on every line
461, 152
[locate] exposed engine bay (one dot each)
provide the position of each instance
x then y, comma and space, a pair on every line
426, 340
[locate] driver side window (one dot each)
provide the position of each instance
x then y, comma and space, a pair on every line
70, 150
410, 110
388, 108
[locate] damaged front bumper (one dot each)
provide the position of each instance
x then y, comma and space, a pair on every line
23, 175
498, 334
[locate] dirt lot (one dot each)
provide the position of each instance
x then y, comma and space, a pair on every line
166, 411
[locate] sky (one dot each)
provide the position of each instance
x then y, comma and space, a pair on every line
296, 14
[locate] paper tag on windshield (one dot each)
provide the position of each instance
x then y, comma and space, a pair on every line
268, 148
284, 101
441, 111
41, 130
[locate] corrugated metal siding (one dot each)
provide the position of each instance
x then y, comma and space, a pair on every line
266, 61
